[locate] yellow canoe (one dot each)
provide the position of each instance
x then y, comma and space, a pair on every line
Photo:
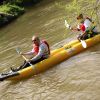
57, 56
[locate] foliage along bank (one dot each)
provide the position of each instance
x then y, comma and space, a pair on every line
11, 9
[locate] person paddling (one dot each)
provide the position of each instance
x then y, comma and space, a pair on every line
86, 26
41, 51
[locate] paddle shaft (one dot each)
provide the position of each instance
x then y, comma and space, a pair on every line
18, 51
26, 59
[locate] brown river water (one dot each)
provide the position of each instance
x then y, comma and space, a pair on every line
77, 78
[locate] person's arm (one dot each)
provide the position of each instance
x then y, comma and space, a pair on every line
28, 53
75, 28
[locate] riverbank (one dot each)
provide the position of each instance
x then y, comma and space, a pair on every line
13, 9
9, 12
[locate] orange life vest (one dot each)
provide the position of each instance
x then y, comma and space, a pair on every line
36, 47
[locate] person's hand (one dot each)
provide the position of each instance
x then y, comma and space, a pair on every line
28, 60
21, 53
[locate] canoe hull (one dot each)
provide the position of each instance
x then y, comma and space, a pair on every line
56, 57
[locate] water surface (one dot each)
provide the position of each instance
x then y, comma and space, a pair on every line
77, 78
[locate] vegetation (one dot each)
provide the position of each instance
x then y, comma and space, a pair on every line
75, 7
11, 9
21, 2
8, 12
14, 8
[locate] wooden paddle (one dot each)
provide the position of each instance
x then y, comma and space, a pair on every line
4, 76
19, 52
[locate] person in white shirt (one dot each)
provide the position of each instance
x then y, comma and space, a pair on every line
41, 51
86, 26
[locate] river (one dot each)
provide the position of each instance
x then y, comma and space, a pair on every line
77, 78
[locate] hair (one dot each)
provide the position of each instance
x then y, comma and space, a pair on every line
80, 16
36, 38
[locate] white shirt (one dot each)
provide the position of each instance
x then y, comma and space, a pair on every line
88, 25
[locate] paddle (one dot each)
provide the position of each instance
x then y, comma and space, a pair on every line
10, 74
4, 76
82, 41
67, 25
19, 52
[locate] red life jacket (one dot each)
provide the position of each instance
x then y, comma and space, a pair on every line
82, 27
36, 47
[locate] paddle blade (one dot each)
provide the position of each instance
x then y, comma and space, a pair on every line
83, 43
66, 24
18, 50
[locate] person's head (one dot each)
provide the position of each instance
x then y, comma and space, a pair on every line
80, 18
35, 40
